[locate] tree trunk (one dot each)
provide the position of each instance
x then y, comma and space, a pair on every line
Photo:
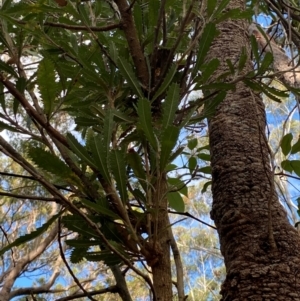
260, 248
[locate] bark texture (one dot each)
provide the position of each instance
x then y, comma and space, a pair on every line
261, 249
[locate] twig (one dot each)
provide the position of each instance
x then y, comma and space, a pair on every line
62, 255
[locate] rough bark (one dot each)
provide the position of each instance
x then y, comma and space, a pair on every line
161, 267
260, 248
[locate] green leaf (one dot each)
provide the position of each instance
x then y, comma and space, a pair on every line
28, 237
192, 164
99, 208
206, 169
265, 64
168, 141
167, 81
210, 106
255, 49
170, 105
80, 150
192, 143
296, 147
205, 186
205, 157
175, 201
286, 143
296, 166
49, 162
135, 162
286, 165
209, 68
118, 169
220, 8
177, 184
210, 7
46, 82
128, 73
145, 121
100, 156
209, 33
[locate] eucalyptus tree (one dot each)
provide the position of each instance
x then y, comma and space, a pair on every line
97, 94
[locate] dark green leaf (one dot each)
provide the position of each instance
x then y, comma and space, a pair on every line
168, 141
286, 143
118, 169
128, 73
296, 166
177, 184
192, 143
49, 162
46, 82
167, 81
192, 164
296, 147
175, 201
206, 169
286, 165
205, 186
170, 105
209, 33
205, 157
145, 121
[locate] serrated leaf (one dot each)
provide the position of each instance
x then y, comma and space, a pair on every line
295, 164
168, 141
145, 121
46, 82
209, 33
286, 165
210, 107
107, 257
49, 162
81, 243
170, 105
209, 68
296, 147
265, 64
99, 208
118, 169
285, 143
28, 237
175, 201
100, 156
167, 81
80, 150
134, 160
176, 153
128, 73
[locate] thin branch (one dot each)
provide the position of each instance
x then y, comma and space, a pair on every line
29, 197
193, 217
111, 289
62, 255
